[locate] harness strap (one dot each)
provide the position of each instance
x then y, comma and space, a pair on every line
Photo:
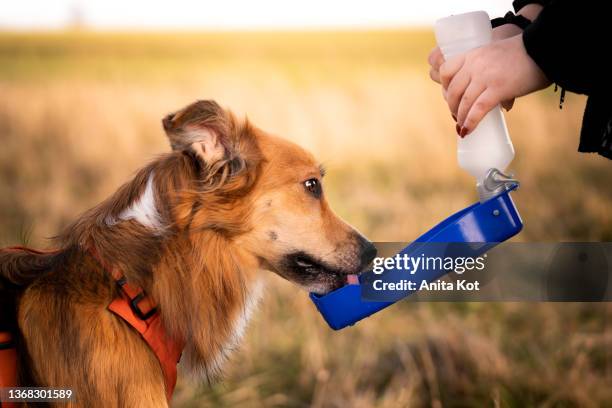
134, 306
8, 365
139, 311
8, 348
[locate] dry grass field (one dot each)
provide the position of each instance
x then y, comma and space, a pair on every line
80, 112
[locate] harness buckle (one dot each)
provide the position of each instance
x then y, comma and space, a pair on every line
136, 309
134, 301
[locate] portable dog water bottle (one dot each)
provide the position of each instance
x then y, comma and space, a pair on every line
485, 152
487, 224
489, 145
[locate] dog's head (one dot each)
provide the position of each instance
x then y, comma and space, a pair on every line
266, 194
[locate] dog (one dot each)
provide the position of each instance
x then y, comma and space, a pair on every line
195, 229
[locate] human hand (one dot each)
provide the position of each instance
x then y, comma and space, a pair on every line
436, 59
477, 81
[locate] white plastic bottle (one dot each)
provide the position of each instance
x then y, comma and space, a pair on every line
489, 145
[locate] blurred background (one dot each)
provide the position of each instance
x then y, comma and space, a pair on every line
83, 88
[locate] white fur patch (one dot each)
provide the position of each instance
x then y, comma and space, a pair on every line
250, 304
144, 210
239, 325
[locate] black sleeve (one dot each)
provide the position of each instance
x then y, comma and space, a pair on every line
570, 42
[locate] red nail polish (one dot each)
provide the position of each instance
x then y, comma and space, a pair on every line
458, 130
463, 131
454, 117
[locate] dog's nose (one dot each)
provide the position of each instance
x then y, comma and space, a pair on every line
368, 252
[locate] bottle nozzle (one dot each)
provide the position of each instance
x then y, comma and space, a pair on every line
494, 183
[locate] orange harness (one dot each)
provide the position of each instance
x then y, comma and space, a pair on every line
8, 365
138, 310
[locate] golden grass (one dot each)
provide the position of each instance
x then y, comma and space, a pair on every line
80, 112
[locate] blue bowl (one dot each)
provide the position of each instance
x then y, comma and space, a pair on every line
487, 224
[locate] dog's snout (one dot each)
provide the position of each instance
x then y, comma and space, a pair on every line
368, 251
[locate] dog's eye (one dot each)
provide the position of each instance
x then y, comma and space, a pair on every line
313, 186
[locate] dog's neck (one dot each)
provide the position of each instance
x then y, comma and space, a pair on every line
207, 289
205, 285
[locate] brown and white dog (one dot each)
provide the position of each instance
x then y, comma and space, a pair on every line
195, 229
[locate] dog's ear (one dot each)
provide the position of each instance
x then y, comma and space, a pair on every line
200, 130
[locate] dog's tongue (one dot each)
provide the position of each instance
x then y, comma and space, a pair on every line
352, 279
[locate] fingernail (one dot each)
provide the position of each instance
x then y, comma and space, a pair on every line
463, 131
458, 130
454, 117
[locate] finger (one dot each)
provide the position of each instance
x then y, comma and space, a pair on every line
456, 89
435, 75
472, 92
483, 105
505, 31
507, 105
435, 58
430, 57
449, 68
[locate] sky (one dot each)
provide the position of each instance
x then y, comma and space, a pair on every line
234, 14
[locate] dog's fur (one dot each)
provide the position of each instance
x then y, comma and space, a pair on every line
194, 229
